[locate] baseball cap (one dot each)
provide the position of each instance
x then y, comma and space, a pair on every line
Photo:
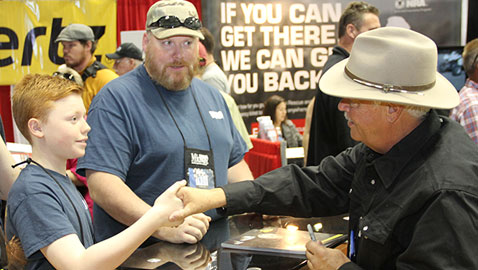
168, 18
126, 50
76, 31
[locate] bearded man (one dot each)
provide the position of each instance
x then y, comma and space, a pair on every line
79, 44
158, 124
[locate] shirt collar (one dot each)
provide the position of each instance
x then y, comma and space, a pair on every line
92, 60
340, 50
391, 164
471, 84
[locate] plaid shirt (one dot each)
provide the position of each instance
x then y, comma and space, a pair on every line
466, 113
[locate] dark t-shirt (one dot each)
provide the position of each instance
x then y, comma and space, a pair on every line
39, 213
134, 137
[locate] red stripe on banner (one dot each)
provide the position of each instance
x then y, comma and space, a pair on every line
131, 14
6, 112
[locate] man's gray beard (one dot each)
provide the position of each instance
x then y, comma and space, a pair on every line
161, 77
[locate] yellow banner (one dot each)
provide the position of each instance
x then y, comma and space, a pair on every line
28, 30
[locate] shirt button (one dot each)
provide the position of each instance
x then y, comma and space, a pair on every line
350, 191
365, 228
372, 182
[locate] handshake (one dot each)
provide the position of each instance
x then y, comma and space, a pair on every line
182, 207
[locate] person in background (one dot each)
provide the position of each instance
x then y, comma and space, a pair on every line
329, 133
7, 173
217, 78
47, 218
410, 185
212, 73
158, 124
127, 57
467, 112
79, 44
276, 107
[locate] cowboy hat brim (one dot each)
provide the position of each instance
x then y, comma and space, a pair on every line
335, 82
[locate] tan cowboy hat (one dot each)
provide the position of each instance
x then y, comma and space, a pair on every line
394, 65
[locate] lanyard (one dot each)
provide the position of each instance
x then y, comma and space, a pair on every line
174, 120
28, 161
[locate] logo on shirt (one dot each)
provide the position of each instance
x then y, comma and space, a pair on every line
199, 159
216, 115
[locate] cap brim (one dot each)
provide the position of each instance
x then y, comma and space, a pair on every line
335, 82
161, 33
64, 39
113, 56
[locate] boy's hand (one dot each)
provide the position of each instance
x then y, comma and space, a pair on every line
168, 202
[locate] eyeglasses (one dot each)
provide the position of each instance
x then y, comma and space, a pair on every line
192, 23
118, 61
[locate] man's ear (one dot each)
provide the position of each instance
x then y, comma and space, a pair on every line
393, 112
35, 127
145, 41
89, 45
351, 31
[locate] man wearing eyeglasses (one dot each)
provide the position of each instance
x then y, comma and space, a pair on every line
127, 57
467, 112
158, 124
409, 186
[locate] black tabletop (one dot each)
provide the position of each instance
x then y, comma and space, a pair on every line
208, 254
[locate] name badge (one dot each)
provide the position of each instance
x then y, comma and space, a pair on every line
199, 168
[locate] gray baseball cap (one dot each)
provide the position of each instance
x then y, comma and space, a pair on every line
76, 31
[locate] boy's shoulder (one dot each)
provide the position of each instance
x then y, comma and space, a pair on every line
32, 180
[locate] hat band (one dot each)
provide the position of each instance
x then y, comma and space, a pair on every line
389, 87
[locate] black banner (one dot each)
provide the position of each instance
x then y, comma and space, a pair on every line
280, 47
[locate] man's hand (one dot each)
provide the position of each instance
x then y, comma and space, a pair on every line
190, 231
197, 201
322, 258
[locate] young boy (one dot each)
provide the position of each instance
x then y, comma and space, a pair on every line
45, 211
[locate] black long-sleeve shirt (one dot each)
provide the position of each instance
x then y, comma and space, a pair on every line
415, 207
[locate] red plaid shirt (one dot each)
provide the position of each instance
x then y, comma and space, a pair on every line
466, 113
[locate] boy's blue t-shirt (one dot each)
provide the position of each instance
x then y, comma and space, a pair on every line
40, 213
134, 137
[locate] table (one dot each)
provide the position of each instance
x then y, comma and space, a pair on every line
208, 254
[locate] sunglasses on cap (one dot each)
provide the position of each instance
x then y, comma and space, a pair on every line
192, 23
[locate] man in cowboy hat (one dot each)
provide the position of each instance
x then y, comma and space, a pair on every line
158, 124
410, 186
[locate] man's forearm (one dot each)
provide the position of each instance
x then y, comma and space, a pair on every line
115, 197
239, 172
